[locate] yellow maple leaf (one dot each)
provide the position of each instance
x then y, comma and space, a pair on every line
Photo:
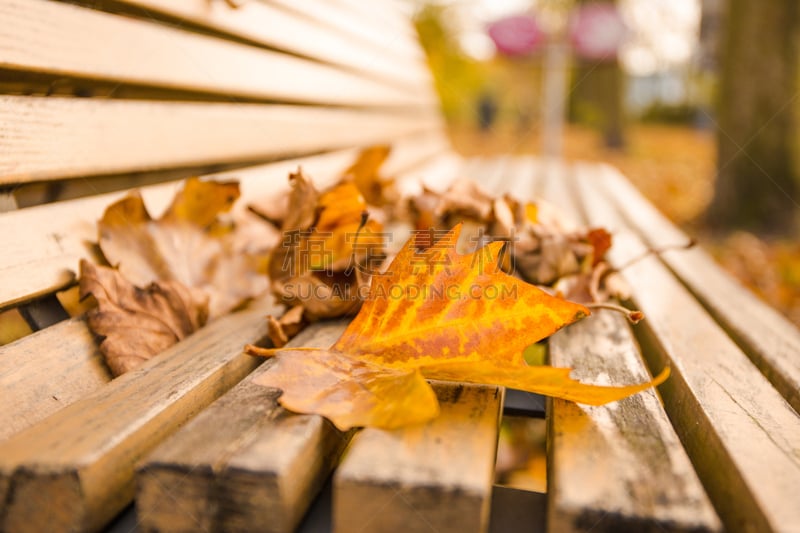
434, 314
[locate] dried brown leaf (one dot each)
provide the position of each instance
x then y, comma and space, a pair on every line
280, 330
138, 323
190, 244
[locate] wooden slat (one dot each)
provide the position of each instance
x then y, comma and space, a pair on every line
74, 470
740, 434
516, 178
429, 477
46, 371
275, 27
43, 245
244, 464
770, 340
384, 15
395, 42
71, 41
618, 466
50, 138
437, 175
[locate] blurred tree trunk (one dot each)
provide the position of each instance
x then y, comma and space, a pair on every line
757, 185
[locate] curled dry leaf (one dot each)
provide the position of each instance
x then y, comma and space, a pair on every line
328, 251
280, 330
138, 323
365, 173
433, 314
190, 244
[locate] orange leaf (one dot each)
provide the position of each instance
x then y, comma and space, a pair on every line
438, 314
350, 392
545, 380
365, 173
441, 305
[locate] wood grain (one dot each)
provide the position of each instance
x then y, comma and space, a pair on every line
435, 476
47, 371
70, 41
275, 26
74, 470
43, 245
245, 463
768, 338
740, 434
50, 138
617, 466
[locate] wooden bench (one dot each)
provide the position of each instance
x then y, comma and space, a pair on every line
98, 98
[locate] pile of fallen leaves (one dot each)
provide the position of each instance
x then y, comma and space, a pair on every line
170, 275
435, 311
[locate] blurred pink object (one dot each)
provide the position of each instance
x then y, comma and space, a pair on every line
516, 36
597, 31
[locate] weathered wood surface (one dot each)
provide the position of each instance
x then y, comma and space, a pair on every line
43, 245
617, 466
47, 371
244, 464
71, 41
768, 338
74, 470
48, 138
743, 438
278, 27
435, 476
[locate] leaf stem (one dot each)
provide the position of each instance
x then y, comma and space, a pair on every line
657, 251
633, 316
258, 351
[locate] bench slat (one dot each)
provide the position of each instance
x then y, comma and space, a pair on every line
384, 14
770, 340
267, 25
394, 42
46, 371
740, 434
277, 26
49, 138
436, 476
68, 40
243, 464
44, 244
74, 471
617, 466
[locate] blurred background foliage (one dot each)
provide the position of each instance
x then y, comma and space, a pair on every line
699, 112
